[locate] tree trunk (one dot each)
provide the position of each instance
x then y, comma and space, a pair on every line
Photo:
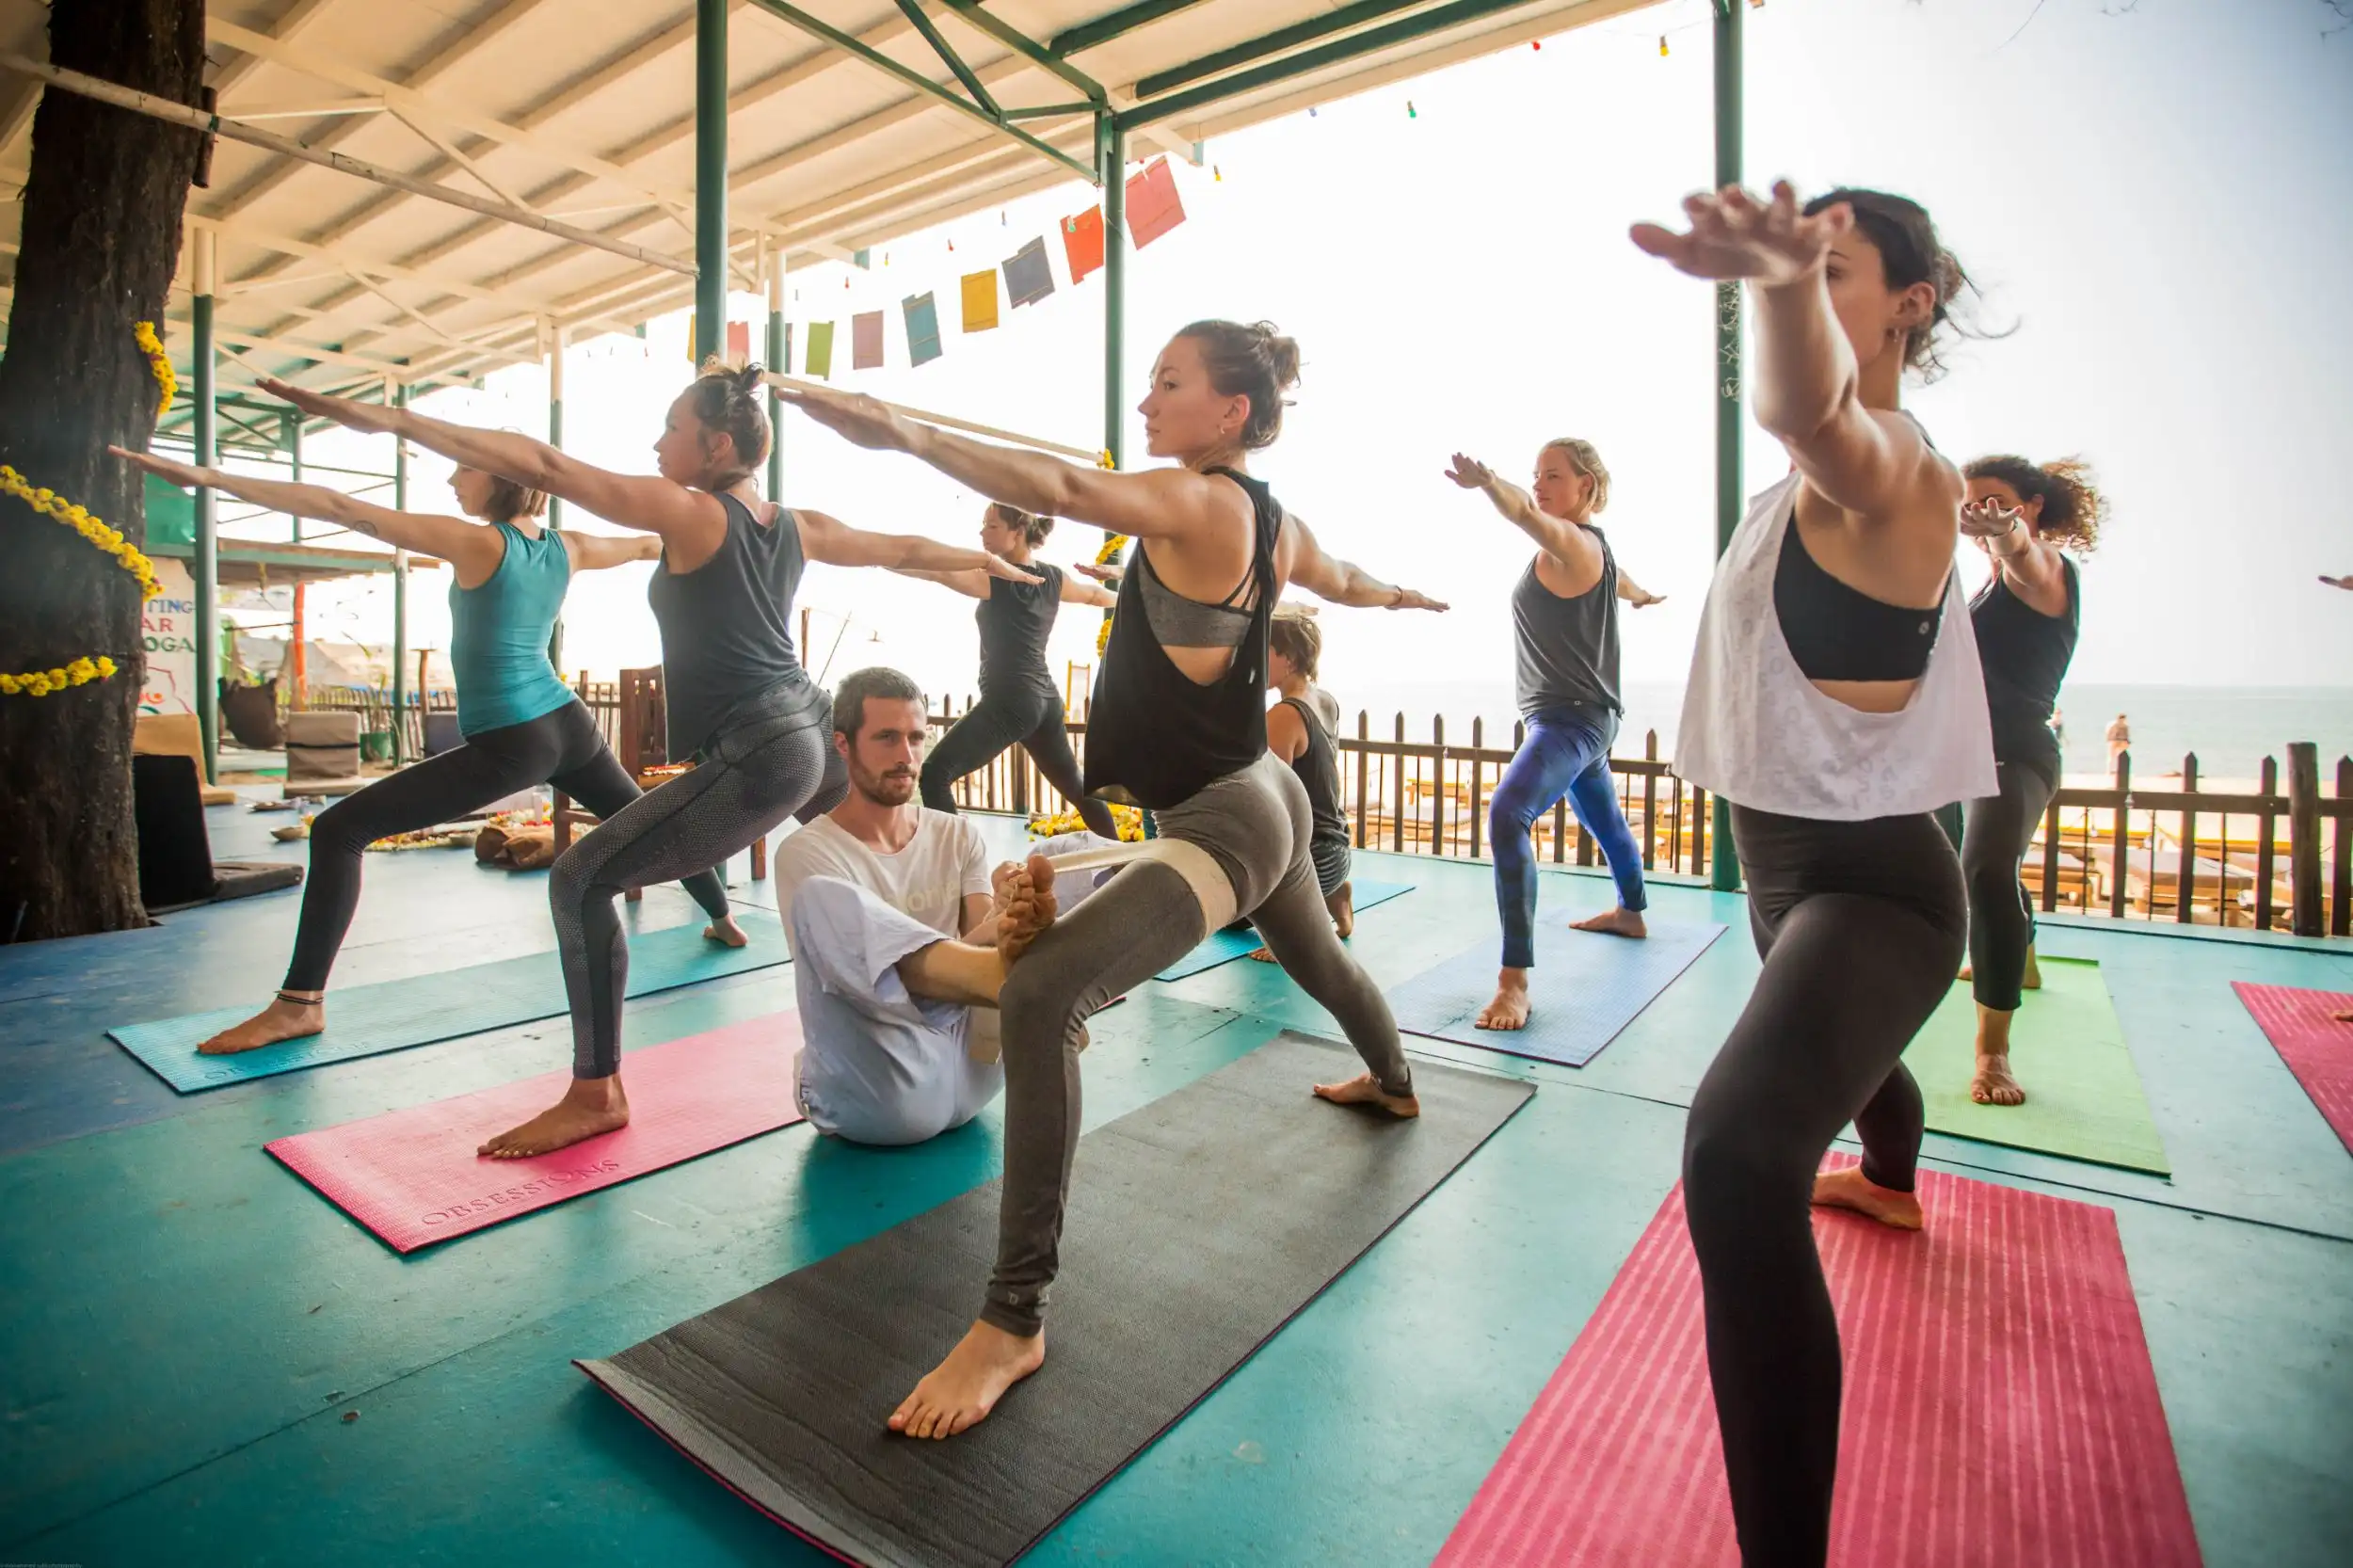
99, 241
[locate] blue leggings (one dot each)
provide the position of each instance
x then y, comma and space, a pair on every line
1566, 753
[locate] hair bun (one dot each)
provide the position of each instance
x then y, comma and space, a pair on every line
1281, 353
748, 378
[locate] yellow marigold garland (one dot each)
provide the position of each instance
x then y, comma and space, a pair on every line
127, 555
159, 362
1125, 818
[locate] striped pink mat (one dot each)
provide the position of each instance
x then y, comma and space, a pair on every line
2000, 1408
2317, 1048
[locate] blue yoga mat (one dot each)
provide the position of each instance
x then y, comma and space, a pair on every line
394, 1015
1587, 987
1224, 947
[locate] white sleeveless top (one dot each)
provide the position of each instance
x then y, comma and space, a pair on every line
1757, 731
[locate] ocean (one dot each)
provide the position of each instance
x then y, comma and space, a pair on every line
2229, 729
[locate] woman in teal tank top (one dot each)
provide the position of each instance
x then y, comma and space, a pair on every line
522, 726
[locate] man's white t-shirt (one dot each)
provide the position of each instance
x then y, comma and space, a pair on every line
928, 881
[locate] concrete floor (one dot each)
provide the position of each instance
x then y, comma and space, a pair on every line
188, 1325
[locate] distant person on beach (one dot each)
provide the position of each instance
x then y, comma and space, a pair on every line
1564, 617
2120, 740
2029, 518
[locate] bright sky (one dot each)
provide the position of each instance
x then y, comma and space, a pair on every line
2153, 193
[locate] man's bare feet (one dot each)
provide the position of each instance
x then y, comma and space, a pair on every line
282, 1019
1343, 907
725, 932
1993, 1084
1616, 922
589, 1107
1848, 1188
1509, 1008
1025, 905
956, 1395
1365, 1089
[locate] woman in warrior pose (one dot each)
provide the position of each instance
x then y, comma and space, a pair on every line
1019, 704
522, 726
1835, 700
1564, 621
740, 704
2026, 517
1177, 726
1299, 731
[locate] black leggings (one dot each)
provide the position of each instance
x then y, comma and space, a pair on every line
775, 760
1861, 928
562, 748
1029, 717
2001, 920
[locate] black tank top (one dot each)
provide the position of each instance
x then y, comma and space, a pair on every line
1567, 649
1154, 736
726, 626
1016, 619
2025, 654
1836, 631
1319, 769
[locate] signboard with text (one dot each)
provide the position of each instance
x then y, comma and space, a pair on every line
168, 623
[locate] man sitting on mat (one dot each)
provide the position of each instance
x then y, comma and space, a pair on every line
889, 909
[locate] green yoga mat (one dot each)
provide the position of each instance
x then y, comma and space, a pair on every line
393, 1015
2084, 1100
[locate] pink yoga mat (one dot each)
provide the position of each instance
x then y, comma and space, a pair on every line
412, 1175
2000, 1408
2317, 1048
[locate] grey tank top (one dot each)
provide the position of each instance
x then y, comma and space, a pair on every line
1567, 649
727, 630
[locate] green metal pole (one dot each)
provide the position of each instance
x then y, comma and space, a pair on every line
556, 413
1111, 159
294, 460
1724, 864
777, 356
400, 592
207, 562
711, 178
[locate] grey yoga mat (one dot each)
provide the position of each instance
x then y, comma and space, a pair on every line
1198, 1226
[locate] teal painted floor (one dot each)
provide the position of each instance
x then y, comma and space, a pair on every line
207, 1364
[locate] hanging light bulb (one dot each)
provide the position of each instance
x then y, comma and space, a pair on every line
1662, 46
1217, 175
1311, 111
1411, 113
1537, 44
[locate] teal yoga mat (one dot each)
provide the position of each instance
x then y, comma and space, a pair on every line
1224, 947
393, 1015
1587, 987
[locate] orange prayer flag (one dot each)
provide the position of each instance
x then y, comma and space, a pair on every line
1082, 242
980, 300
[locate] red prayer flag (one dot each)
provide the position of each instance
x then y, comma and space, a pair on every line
1152, 208
740, 343
1083, 242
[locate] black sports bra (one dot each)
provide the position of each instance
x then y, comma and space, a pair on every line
1837, 633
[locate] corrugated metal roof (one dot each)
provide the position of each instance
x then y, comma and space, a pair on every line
583, 111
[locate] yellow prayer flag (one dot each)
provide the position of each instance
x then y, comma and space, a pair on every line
980, 300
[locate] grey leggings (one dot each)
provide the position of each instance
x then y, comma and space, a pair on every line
776, 761
1254, 824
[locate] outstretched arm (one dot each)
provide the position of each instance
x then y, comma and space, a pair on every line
973, 585
634, 501
1076, 592
1873, 463
1304, 562
472, 548
1635, 594
835, 543
596, 551
1574, 547
1155, 504
2030, 567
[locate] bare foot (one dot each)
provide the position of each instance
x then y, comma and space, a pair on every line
959, 1393
589, 1107
1993, 1085
1848, 1188
1343, 907
280, 1020
1263, 955
1025, 906
1509, 1008
725, 932
1616, 922
1968, 971
1365, 1089
2034, 972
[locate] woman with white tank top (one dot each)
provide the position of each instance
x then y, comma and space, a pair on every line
1835, 700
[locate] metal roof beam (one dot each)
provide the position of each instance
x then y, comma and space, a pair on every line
1039, 55
948, 56
880, 61
1271, 43
1338, 52
1119, 23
